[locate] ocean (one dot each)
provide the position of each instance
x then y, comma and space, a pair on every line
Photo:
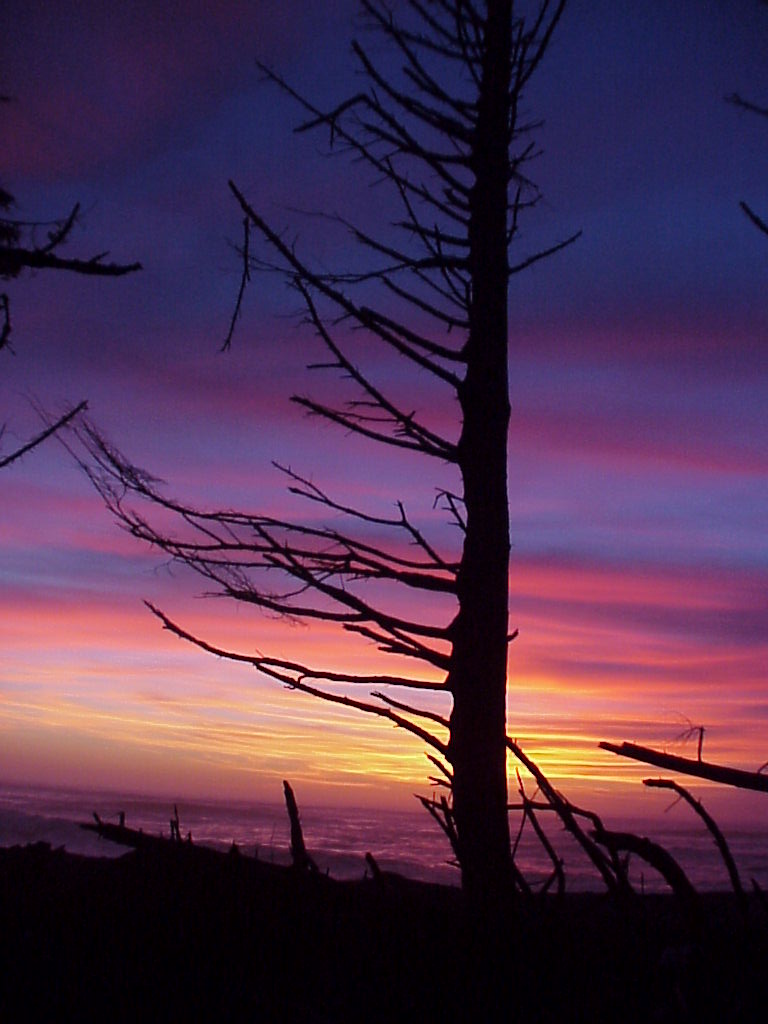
408, 842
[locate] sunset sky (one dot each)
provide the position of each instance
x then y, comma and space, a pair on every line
639, 384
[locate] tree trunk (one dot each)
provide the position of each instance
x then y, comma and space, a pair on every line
478, 676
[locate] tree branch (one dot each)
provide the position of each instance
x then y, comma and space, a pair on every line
337, 297
13, 259
268, 667
62, 421
711, 824
688, 766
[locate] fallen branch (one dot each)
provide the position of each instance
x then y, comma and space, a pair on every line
652, 854
709, 821
136, 838
690, 766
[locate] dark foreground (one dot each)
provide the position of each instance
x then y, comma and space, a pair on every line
180, 935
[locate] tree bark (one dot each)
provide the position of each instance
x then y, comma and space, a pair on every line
478, 674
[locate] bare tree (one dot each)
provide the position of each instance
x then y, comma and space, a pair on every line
35, 245
449, 138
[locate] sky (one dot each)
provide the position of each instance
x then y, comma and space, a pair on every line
638, 473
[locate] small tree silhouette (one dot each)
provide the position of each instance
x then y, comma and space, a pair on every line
449, 139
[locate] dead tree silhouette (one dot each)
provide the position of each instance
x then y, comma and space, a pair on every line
449, 138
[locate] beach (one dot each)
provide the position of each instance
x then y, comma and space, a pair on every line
403, 841
176, 932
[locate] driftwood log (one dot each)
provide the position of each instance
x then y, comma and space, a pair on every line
658, 858
301, 858
133, 838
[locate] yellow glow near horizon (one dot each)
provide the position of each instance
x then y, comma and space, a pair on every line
95, 692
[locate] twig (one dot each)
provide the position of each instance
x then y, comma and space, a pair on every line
557, 862
246, 277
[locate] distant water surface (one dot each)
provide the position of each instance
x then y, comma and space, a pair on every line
408, 842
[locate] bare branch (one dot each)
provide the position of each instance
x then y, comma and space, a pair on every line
312, 492
13, 259
528, 65
415, 339
711, 824
529, 813
332, 120
301, 671
753, 108
412, 434
246, 276
356, 425
441, 812
756, 220
431, 716
568, 814
62, 421
530, 260
337, 297
406, 646
269, 669
441, 122
442, 768
688, 766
